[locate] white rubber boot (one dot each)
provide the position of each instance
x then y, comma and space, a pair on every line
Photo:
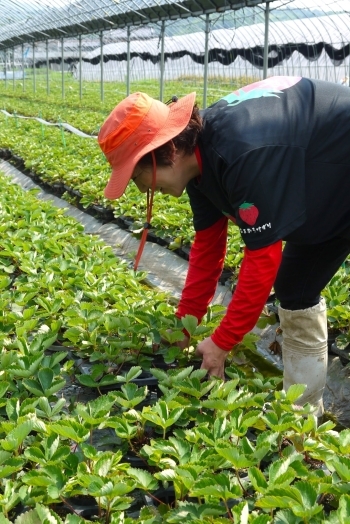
305, 351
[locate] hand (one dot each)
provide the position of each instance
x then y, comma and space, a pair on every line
183, 344
213, 358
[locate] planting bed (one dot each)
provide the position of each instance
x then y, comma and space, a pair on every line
76, 170
184, 448
82, 439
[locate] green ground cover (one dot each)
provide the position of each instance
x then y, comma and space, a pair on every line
239, 451
114, 92
59, 157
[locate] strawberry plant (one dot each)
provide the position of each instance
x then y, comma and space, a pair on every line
235, 451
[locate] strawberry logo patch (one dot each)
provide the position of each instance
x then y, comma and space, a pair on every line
248, 213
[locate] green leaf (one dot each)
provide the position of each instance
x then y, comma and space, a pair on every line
3, 388
36, 478
30, 517
286, 516
295, 391
308, 494
53, 492
45, 376
15, 437
343, 511
35, 455
46, 515
278, 470
217, 486
70, 429
122, 428
57, 385
344, 441
188, 512
341, 466
257, 479
166, 475
33, 386
43, 341
241, 511
12, 465
190, 323
144, 479
88, 381
104, 464
233, 455
133, 373
275, 501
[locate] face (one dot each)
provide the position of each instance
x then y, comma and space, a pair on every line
168, 180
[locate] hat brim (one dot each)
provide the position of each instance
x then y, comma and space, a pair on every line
179, 115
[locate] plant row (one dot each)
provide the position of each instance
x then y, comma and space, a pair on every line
76, 167
53, 106
183, 447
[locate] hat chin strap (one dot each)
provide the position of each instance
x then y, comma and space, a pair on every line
147, 224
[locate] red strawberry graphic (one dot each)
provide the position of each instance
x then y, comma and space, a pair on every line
248, 213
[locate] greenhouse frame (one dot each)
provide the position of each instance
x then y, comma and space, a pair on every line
129, 41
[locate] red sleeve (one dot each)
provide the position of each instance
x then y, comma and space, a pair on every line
256, 278
205, 266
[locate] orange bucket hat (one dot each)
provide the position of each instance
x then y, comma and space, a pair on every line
136, 126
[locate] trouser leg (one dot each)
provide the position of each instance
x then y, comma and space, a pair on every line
304, 272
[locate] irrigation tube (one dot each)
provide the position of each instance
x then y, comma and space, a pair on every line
69, 128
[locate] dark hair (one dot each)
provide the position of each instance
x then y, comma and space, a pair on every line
185, 143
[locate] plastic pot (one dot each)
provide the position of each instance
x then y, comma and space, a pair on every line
82, 504
163, 495
135, 461
103, 213
144, 379
152, 237
332, 335
226, 274
343, 354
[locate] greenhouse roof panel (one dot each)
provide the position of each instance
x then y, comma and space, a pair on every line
22, 21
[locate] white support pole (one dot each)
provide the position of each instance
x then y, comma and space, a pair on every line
80, 71
62, 65
47, 68
34, 77
161, 90
5, 68
266, 39
128, 61
13, 67
22, 53
101, 57
206, 60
